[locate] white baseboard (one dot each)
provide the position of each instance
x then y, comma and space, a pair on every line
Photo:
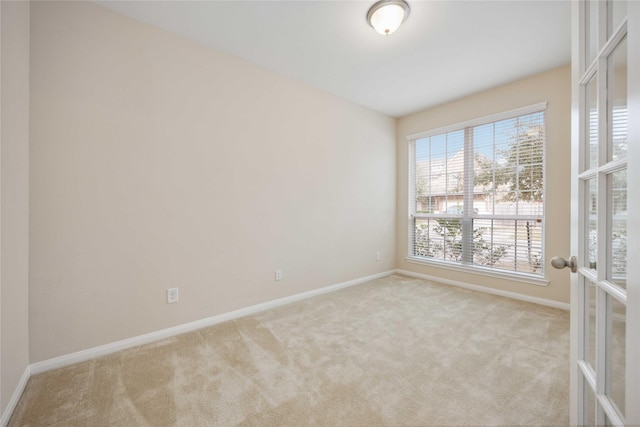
499, 292
91, 353
15, 398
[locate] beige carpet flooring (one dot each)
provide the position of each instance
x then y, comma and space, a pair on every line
395, 351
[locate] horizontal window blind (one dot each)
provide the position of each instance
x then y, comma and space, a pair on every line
477, 194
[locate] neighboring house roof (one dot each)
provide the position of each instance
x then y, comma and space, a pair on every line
439, 177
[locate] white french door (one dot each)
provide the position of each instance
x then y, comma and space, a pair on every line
605, 289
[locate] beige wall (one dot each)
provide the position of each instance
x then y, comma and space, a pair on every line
158, 163
552, 86
14, 191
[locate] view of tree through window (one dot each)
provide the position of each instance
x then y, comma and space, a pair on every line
478, 195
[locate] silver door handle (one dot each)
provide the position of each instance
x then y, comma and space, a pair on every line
560, 263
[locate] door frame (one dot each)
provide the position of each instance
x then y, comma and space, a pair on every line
578, 300
633, 206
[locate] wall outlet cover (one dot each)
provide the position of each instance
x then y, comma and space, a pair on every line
172, 295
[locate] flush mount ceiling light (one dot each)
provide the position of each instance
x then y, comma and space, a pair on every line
386, 16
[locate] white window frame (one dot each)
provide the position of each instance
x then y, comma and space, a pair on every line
468, 216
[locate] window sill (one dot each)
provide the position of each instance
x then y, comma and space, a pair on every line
523, 278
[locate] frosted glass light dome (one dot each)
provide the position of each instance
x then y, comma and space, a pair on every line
386, 16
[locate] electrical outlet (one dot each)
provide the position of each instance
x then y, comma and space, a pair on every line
172, 295
278, 274
378, 256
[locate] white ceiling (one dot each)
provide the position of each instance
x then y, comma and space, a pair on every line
445, 50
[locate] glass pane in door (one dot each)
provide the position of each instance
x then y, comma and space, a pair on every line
591, 123
618, 242
616, 346
590, 326
608, 422
591, 210
589, 406
617, 12
592, 31
617, 102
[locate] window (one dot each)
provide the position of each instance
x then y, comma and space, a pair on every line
476, 193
